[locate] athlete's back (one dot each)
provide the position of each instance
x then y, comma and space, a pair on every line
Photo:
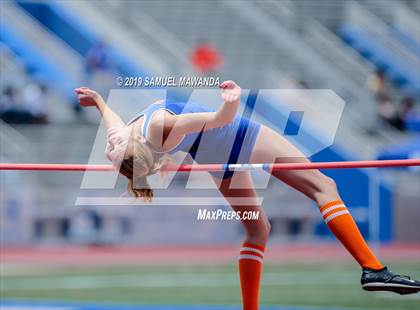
232, 143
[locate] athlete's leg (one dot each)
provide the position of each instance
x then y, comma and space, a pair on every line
241, 195
271, 147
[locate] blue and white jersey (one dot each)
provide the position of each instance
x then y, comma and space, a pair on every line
229, 144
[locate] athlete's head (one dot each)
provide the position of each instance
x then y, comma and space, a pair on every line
136, 157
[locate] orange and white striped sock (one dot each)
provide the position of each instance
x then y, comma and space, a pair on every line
342, 225
250, 268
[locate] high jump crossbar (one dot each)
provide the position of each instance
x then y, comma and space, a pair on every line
225, 167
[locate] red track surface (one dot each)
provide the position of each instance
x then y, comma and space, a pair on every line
104, 256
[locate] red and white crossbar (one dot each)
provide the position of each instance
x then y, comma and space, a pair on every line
225, 167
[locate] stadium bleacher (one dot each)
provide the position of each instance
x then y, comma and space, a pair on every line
328, 50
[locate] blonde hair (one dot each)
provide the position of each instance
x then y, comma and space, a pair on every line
144, 163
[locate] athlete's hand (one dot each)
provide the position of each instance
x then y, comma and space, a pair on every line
87, 97
231, 92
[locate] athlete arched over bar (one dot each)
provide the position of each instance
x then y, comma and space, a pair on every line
140, 148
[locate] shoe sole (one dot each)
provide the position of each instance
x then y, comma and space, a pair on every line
391, 287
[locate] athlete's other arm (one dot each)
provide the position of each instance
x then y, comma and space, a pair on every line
90, 98
180, 125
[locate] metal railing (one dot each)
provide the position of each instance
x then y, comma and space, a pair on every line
56, 49
358, 15
341, 69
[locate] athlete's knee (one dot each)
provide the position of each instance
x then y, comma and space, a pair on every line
268, 225
259, 233
329, 186
266, 228
325, 188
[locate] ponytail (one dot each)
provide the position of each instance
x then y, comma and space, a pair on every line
144, 192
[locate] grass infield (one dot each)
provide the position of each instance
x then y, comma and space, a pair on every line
321, 285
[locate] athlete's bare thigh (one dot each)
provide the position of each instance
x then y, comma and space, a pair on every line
271, 147
241, 195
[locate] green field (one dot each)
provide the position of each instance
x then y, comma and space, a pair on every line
283, 284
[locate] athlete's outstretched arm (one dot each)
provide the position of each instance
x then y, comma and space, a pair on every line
179, 125
88, 98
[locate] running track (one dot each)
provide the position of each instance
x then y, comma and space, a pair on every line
125, 255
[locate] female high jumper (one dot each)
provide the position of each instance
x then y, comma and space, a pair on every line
168, 127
